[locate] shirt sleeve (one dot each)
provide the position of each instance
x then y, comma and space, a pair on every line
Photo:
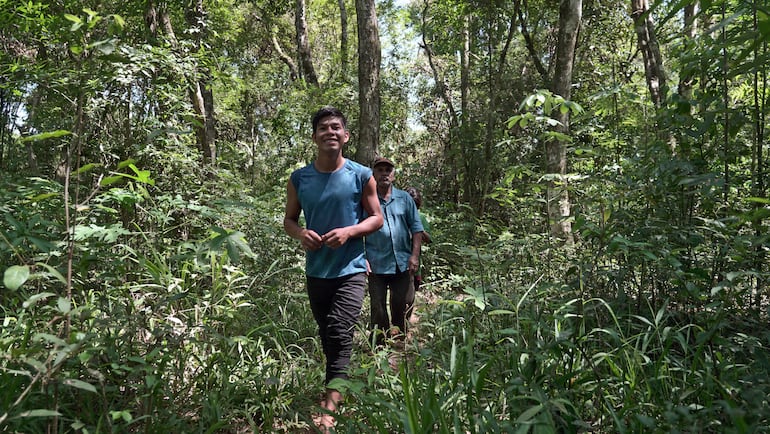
415, 224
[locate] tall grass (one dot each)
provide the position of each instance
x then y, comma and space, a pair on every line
206, 334
576, 367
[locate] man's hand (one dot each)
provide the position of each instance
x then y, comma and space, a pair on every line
336, 237
414, 263
311, 240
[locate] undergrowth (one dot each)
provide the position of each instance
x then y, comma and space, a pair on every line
203, 325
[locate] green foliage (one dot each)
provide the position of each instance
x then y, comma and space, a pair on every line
143, 291
155, 325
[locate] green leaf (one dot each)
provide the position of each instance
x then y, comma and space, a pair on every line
64, 305
125, 415
79, 384
85, 168
44, 245
105, 47
109, 234
73, 18
647, 421
37, 297
111, 180
501, 312
48, 135
513, 120
15, 276
38, 413
119, 20
126, 163
529, 414
53, 272
47, 337
142, 175
43, 196
763, 23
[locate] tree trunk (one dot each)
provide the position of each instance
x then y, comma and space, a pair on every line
7, 125
690, 32
200, 91
293, 74
648, 44
200, 94
570, 12
465, 70
343, 39
533, 54
451, 155
303, 45
32, 110
464, 148
368, 81
758, 171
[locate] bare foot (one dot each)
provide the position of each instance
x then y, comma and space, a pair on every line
326, 423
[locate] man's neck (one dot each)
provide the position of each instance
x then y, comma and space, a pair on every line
329, 163
384, 193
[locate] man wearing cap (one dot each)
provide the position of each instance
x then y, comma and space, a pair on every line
393, 253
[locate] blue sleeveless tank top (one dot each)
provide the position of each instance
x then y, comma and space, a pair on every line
330, 201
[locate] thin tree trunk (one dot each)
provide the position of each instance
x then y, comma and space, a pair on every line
343, 39
494, 80
200, 91
293, 74
726, 151
570, 12
200, 94
7, 125
32, 110
760, 90
533, 54
648, 44
303, 45
690, 32
758, 165
369, 56
156, 19
465, 70
450, 153
468, 160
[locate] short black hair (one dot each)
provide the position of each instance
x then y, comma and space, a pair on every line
327, 111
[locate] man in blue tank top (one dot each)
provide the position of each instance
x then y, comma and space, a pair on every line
338, 198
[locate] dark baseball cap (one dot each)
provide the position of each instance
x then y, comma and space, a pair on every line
382, 160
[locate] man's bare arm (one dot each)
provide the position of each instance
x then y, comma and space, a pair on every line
308, 238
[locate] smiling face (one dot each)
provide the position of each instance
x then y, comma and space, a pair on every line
330, 134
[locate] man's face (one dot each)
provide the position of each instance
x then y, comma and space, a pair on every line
330, 134
384, 174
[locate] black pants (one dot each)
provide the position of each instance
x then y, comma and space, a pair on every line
336, 305
401, 287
